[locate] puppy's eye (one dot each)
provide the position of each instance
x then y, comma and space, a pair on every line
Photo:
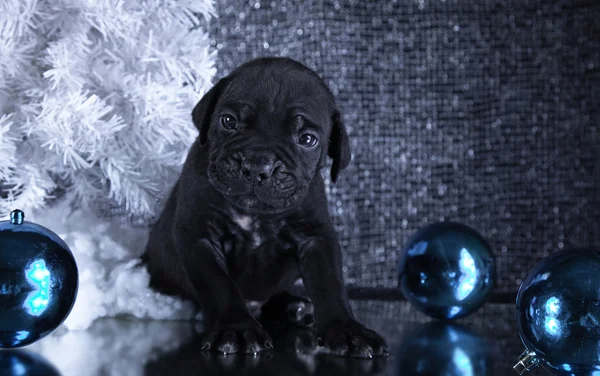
228, 122
307, 140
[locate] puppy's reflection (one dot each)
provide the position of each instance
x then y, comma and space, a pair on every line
295, 354
442, 349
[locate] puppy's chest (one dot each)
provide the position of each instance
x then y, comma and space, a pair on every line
248, 236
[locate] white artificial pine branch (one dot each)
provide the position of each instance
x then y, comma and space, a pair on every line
129, 186
28, 188
102, 92
15, 52
19, 13
8, 158
67, 57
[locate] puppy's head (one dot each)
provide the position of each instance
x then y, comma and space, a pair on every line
270, 126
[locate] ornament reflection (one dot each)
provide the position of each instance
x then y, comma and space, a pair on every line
441, 348
21, 363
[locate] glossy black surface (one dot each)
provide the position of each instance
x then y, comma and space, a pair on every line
146, 348
295, 354
447, 270
25, 363
558, 312
38, 283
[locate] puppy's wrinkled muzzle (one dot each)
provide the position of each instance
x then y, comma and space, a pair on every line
252, 177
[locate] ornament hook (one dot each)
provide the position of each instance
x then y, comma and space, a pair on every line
16, 217
527, 362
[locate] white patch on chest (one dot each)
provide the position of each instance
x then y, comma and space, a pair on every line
246, 223
256, 238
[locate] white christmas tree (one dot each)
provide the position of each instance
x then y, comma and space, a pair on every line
95, 109
95, 99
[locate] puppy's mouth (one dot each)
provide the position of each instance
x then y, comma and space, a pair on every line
252, 202
257, 201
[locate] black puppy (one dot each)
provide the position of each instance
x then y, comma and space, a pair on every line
248, 215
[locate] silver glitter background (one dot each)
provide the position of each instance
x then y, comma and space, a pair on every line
483, 112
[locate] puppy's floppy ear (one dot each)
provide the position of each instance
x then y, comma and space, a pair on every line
339, 146
202, 112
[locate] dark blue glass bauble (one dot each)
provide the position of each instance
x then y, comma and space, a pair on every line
447, 270
20, 362
444, 349
38, 281
558, 313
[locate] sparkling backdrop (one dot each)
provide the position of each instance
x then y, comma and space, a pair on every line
483, 112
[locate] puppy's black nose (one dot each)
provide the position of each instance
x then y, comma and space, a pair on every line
257, 170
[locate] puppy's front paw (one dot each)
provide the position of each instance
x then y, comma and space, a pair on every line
352, 338
246, 336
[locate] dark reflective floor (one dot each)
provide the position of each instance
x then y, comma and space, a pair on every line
485, 343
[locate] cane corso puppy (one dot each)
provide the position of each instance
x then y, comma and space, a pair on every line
248, 216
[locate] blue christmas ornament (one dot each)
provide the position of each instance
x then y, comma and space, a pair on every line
558, 314
444, 349
447, 270
38, 281
20, 362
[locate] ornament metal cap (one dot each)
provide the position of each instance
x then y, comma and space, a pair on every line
527, 362
17, 216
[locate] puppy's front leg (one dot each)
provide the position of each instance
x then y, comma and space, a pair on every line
320, 264
229, 327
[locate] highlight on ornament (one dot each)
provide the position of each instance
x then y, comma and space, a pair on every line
558, 314
447, 270
38, 281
